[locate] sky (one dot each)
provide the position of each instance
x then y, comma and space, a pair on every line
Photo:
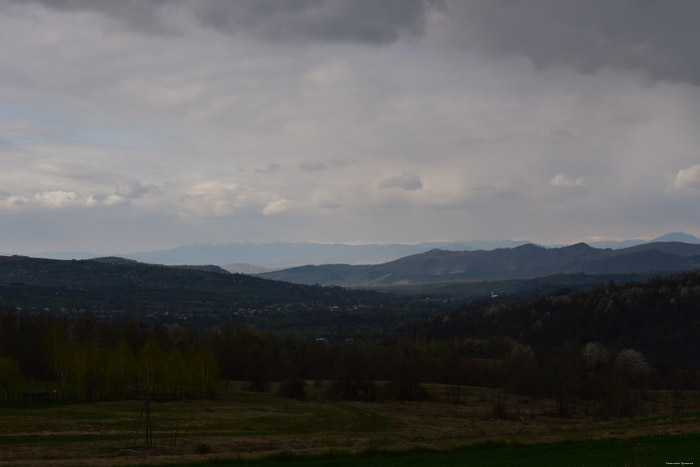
136, 125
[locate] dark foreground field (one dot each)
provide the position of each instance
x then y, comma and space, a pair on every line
263, 429
649, 450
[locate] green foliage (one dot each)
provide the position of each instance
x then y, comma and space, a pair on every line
121, 371
10, 378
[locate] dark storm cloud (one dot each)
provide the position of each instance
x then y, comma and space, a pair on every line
361, 21
140, 15
298, 21
658, 39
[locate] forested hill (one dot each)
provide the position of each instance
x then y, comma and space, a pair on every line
522, 262
114, 283
659, 317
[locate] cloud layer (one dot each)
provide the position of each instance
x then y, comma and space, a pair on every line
296, 21
656, 39
155, 123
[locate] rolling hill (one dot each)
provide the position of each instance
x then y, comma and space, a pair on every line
522, 262
119, 284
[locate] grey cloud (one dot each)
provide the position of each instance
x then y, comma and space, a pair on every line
404, 182
136, 189
310, 166
140, 15
6, 144
316, 166
561, 134
271, 168
657, 39
298, 21
359, 21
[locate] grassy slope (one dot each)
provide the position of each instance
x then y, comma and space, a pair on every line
251, 425
649, 450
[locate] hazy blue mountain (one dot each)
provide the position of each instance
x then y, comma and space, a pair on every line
677, 237
472, 245
278, 255
617, 245
65, 255
245, 268
525, 261
674, 248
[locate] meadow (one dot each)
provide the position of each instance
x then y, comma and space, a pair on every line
261, 429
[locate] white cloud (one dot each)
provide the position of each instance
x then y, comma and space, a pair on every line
14, 202
212, 198
57, 199
276, 207
561, 180
61, 199
115, 200
688, 177
53, 199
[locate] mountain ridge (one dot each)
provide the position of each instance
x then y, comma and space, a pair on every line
247, 256
521, 262
116, 284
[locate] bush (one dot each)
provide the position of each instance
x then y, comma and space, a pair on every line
293, 388
351, 390
405, 391
499, 404
203, 448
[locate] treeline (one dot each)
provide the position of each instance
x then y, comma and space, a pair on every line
659, 317
607, 345
615, 379
85, 359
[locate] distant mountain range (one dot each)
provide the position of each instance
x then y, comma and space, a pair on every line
521, 262
669, 237
252, 257
113, 283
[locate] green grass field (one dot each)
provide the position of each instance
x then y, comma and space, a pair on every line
653, 450
261, 429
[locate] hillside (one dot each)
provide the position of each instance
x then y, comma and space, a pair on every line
115, 284
522, 262
659, 317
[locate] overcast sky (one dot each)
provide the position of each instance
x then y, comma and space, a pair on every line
147, 124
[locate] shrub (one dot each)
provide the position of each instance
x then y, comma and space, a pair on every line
293, 388
203, 448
